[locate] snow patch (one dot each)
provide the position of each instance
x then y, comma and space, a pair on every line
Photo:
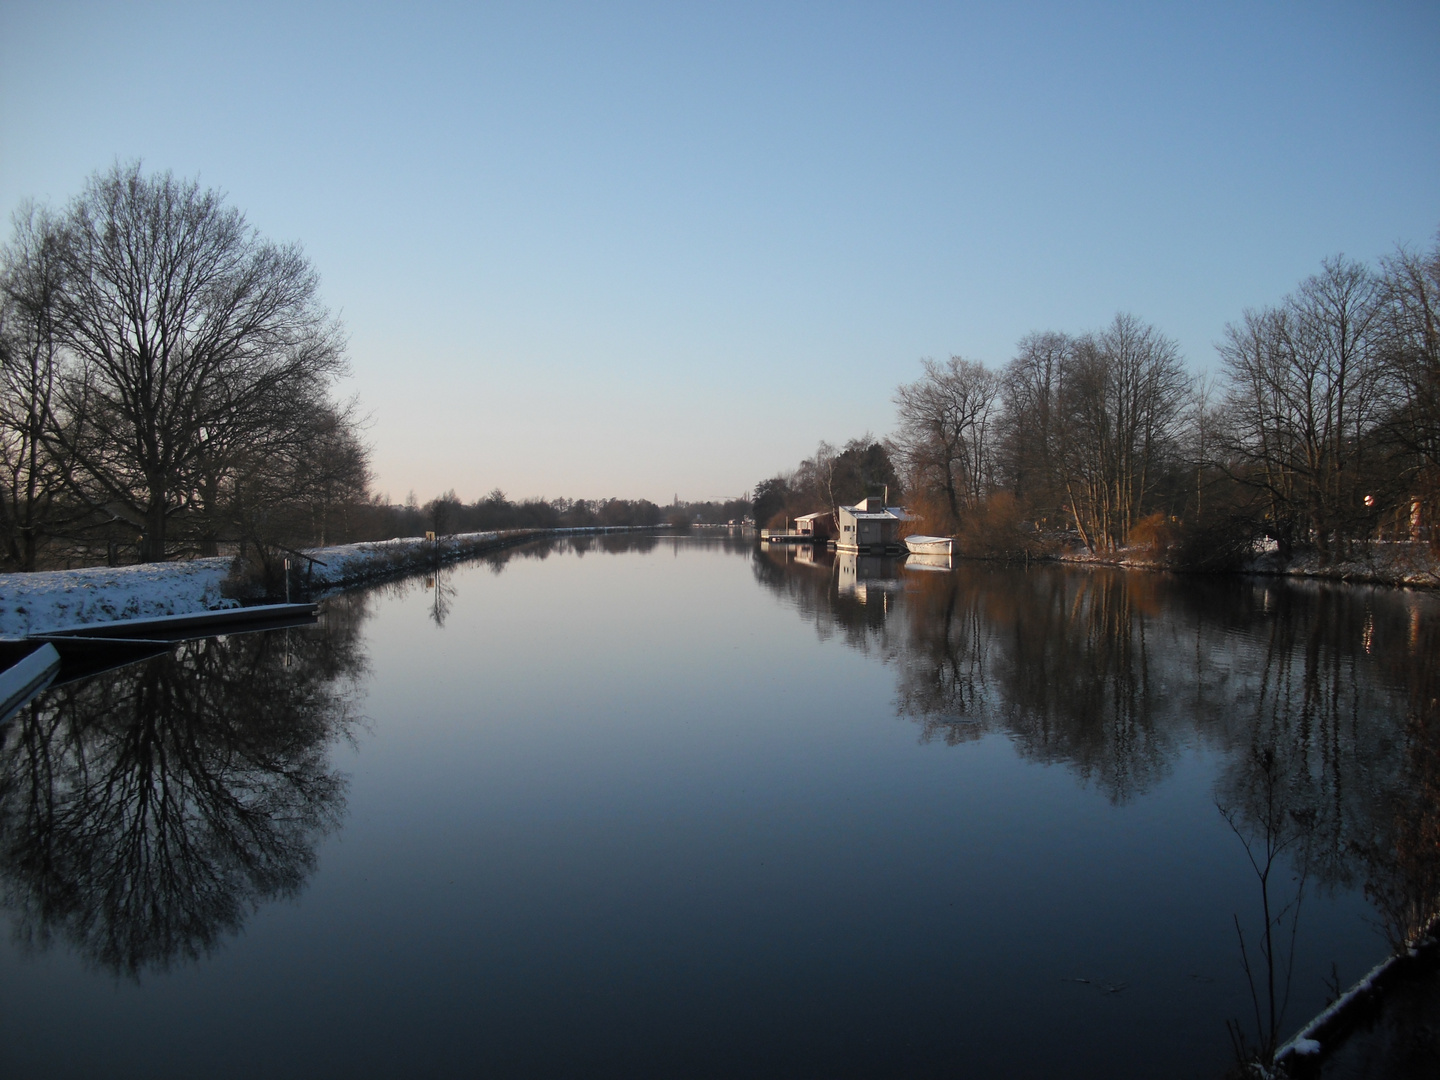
57, 599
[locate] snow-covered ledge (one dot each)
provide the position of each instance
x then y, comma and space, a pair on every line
57, 599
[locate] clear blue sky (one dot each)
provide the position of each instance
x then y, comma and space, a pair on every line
632, 250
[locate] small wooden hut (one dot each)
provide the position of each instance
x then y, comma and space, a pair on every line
819, 526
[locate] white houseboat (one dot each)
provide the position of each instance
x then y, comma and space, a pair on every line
870, 526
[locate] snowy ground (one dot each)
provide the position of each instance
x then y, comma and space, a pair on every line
1387, 563
1383, 563
350, 564
56, 599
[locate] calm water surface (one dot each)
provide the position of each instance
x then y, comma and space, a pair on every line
676, 807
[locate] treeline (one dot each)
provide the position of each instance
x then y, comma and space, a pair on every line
1320, 431
168, 382
448, 513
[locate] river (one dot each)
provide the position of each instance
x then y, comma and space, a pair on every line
674, 806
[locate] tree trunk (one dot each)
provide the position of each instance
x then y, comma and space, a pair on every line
153, 549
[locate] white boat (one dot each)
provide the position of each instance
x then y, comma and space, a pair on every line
928, 545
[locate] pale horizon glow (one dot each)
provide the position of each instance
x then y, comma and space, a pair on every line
639, 250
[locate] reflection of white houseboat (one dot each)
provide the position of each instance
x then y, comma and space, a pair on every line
928, 545
870, 526
809, 554
866, 577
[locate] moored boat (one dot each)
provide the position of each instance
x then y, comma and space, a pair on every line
928, 545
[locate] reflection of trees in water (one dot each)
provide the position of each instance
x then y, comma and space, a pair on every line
145, 813
1402, 850
943, 677
1271, 831
1113, 673
1310, 701
1061, 662
1328, 765
809, 585
439, 581
442, 596
580, 545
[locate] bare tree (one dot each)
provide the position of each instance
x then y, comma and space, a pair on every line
814, 479
1307, 391
31, 270
1411, 348
1202, 423
187, 332
945, 441
1121, 396
837, 477
1030, 423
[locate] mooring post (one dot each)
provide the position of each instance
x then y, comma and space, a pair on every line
287, 581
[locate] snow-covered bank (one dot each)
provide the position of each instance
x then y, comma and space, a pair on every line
1380, 564
353, 564
1387, 563
1327, 1031
59, 599
56, 599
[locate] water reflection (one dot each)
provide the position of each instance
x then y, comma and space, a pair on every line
1064, 663
625, 813
145, 814
1320, 699
441, 586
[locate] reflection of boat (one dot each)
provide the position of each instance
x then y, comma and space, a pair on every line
927, 562
928, 545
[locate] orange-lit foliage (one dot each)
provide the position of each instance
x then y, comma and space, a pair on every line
1154, 533
931, 516
998, 528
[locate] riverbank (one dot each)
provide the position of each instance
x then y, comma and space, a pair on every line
60, 599
1403, 564
1379, 1027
